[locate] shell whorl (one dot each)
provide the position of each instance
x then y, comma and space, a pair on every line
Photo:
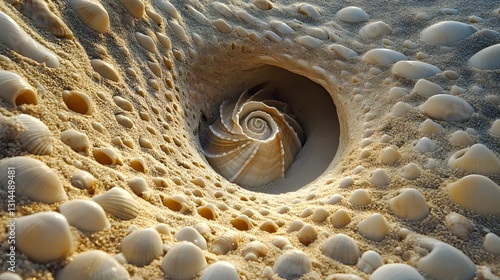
255, 139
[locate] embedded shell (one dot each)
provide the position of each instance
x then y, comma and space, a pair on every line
142, 246
35, 136
15, 90
183, 261
85, 215
119, 203
93, 264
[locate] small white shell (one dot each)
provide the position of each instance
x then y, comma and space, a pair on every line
320, 214
119, 203
352, 14
220, 270
389, 155
477, 159
292, 264
138, 185
15, 90
178, 30
78, 141
461, 138
375, 30
135, 8
447, 108
264, 5
426, 88
430, 127
374, 227
183, 261
105, 69
409, 204
191, 235
340, 218
495, 128
411, 171
360, 197
342, 51
342, 248
445, 32
35, 136
142, 246
226, 242
477, 193
380, 178
177, 203
85, 215
92, 14
84, 180
426, 145
44, 237
459, 225
396, 271
492, 243
414, 69
33, 179
308, 10
487, 59
369, 262
93, 264
254, 250
383, 56
170, 9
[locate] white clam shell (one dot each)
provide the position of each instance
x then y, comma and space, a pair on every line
352, 14
369, 262
411, 171
85, 215
477, 159
92, 14
35, 136
15, 38
477, 193
183, 261
220, 270
142, 246
396, 271
84, 180
93, 264
447, 108
414, 69
426, 88
190, 234
492, 243
383, 56
409, 204
342, 51
374, 227
76, 140
135, 8
342, 248
446, 32
487, 59
104, 68
138, 185
10, 276
254, 250
44, 237
33, 179
15, 90
292, 264
119, 203
375, 30
426, 145
226, 242
459, 225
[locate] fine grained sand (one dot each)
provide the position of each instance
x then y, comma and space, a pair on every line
219, 67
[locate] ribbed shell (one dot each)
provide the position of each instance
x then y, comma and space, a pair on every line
15, 90
35, 137
93, 264
142, 246
119, 203
255, 140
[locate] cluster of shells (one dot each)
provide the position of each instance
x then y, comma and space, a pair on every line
104, 103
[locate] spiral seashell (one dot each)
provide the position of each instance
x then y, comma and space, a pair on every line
142, 246
191, 235
183, 261
92, 14
44, 237
396, 271
36, 137
292, 264
93, 264
255, 140
33, 179
119, 203
476, 159
342, 248
226, 242
15, 90
254, 250
220, 270
85, 215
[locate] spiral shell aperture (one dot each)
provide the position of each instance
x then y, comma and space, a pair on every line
255, 139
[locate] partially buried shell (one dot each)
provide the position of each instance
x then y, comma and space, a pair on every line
33, 179
93, 265
341, 248
177, 203
85, 215
15, 90
92, 14
119, 203
254, 250
184, 261
105, 69
76, 140
292, 264
44, 237
477, 193
135, 8
190, 234
77, 102
487, 59
409, 204
375, 227
35, 136
220, 270
40, 12
445, 32
226, 242
476, 159
396, 271
142, 246
447, 107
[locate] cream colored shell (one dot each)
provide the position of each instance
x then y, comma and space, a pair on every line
409, 204
85, 215
40, 12
374, 227
226, 242
119, 203
93, 264
35, 136
183, 261
15, 90
396, 271
220, 270
254, 250
476, 159
92, 14
342, 248
477, 193
292, 264
142, 246
190, 234
447, 108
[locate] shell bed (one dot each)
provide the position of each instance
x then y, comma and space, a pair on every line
105, 116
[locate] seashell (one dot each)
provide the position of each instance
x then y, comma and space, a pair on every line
226, 242
359, 197
93, 264
138, 185
124, 121
85, 215
308, 10
92, 14
271, 36
84, 180
340, 218
177, 203
400, 109
444, 261
375, 30
35, 136
383, 57
190, 234
430, 127
414, 69
492, 243
168, 8
292, 264
307, 234
15, 90
15, 38
487, 59
369, 262
281, 27
10, 276
220, 270
295, 226
389, 155
409, 204
222, 26
146, 42
459, 225
282, 242
308, 41
342, 51
77, 141
269, 226
33, 179
208, 211
374, 227
495, 128
446, 32
178, 30
427, 89
396, 271
343, 276
447, 108
142, 246
264, 5
476, 193
352, 14
254, 250
342, 248
119, 203
319, 215
104, 69
183, 261
77, 102
259, 129
461, 138
44, 237
124, 103
106, 156
380, 178
426, 145
242, 222
135, 8
477, 159
200, 17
